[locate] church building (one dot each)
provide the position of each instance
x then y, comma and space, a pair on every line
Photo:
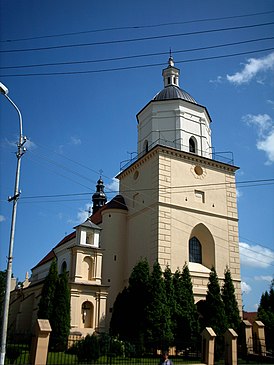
177, 204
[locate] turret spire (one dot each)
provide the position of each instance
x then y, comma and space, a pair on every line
99, 197
171, 73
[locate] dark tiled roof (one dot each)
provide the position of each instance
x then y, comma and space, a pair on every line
51, 254
118, 202
174, 92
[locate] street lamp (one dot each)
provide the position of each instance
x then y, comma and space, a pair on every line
20, 151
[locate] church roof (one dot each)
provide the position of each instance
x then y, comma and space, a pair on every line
172, 92
118, 202
51, 254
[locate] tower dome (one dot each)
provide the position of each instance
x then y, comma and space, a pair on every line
99, 197
171, 88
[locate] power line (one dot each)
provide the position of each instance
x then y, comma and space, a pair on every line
139, 39
134, 27
213, 185
137, 66
137, 56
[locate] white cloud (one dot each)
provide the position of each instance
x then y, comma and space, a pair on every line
267, 145
245, 287
256, 255
251, 69
267, 278
219, 80
75, 141
113, 186
2, 218
83, 213
265, 128
238, 193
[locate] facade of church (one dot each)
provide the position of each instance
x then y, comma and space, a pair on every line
176, 204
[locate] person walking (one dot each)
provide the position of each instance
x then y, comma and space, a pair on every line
165, 360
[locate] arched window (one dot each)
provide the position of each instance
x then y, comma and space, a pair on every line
87, 268
145, 146
195, 250
87, 315
64, 267
192, 145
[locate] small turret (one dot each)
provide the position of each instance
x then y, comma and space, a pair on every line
99, 197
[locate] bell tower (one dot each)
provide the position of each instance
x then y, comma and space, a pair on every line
181, 200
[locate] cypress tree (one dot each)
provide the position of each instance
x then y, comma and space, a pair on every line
138, 301
159, 316
230, 302
186, 315
170, 294
266, 315
60, 318
215, 316
46, 304
188, 303
121, 316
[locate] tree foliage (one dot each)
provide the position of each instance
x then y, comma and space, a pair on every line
159, 330
60, 318
215, 315
54, 305
46, 304
154, 307
266, 315
230, 302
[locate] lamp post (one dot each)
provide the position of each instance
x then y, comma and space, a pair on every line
20, 151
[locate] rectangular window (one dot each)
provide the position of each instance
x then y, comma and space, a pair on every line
199, 196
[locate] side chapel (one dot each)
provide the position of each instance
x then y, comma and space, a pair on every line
176, 203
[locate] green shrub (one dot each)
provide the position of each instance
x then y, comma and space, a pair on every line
12, 353
88, 349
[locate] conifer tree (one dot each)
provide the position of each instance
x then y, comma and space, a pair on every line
138, 301
186, 315
188, 303
230, 302
170, 293
159, 316
46, 304
266, 315
60, 318
121, 316
215, 316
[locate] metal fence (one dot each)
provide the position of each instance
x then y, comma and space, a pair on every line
111, 351
18, 349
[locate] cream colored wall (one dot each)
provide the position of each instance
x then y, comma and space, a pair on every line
97, 299
141, 196
113, 243
164, 228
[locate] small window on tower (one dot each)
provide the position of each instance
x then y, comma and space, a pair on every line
192, 145
199, 196
168, 80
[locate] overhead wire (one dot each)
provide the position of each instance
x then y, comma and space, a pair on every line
136, 67
139, 39
136, 56
134, 27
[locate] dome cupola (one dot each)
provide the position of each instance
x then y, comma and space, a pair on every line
171, 85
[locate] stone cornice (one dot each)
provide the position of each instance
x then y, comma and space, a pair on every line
182, 155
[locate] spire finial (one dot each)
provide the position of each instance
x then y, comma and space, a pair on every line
170, 60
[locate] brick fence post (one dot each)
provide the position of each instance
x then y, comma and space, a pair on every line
40, 343
231, 347
208, 344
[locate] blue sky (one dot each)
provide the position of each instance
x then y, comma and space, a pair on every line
80, 114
